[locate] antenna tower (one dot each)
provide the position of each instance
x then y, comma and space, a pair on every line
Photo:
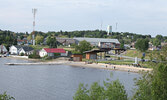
101, 26
116, 26
34, 11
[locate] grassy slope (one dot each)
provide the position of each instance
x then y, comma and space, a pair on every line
38, 47
136, 53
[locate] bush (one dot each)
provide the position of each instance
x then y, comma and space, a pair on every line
35, 56
56, 54
4, 96
22, 54
111, 90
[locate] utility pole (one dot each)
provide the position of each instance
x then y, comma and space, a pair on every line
34, 11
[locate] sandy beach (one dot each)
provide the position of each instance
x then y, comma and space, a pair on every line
109, 67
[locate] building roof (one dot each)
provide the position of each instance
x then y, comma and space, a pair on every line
54, 50
94, 51
66, 40
3, 48
26, 48
18, 46
95, 40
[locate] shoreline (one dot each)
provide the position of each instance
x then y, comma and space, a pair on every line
110, 67
126, 68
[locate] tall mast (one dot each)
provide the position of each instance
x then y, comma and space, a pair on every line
34, 11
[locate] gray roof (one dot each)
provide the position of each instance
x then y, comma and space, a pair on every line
18, 46
97, 40
66, 40
26, 48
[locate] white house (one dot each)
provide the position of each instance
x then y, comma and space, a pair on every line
18, 49
26, 50
51, 51
3, 49
14, 49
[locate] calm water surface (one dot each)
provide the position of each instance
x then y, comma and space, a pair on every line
53, 82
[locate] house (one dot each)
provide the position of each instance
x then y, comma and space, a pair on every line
92, 54
18, 49
126, 46
22, 42
26, 50
163, 44
101, 42
51, 52
76, 57
3, 49
66, 41
133, 45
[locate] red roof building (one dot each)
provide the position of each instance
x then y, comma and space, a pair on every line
54, 50
50, 52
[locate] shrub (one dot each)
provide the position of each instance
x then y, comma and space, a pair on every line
35, 56
56, 54
4, 96
22, 54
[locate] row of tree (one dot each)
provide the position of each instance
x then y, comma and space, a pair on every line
9, 37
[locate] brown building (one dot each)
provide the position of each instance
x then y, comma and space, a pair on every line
92, 54
76, 57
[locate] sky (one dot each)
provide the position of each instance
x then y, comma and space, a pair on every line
148, 17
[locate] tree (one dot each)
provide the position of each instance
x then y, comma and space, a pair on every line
142, 44
81, 93
165, 41
161, 55
83, 46
122, 44
29, 37
115, 91
39, 39
112, 90
153, 85
51, 41
159, 37
156, 42
4, 96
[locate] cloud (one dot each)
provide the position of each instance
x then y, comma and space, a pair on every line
142, 16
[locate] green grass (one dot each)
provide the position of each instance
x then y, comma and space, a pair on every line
118, 62
38, 47
136, 53
148, 64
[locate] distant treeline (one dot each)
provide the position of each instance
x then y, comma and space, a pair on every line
9, 37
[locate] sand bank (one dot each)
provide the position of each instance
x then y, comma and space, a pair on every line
110, 67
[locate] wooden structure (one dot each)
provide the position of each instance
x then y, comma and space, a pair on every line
92, 54
76, 57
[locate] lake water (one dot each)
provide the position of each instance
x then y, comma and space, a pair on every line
53, 82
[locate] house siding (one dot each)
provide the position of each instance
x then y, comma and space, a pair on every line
13, 50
